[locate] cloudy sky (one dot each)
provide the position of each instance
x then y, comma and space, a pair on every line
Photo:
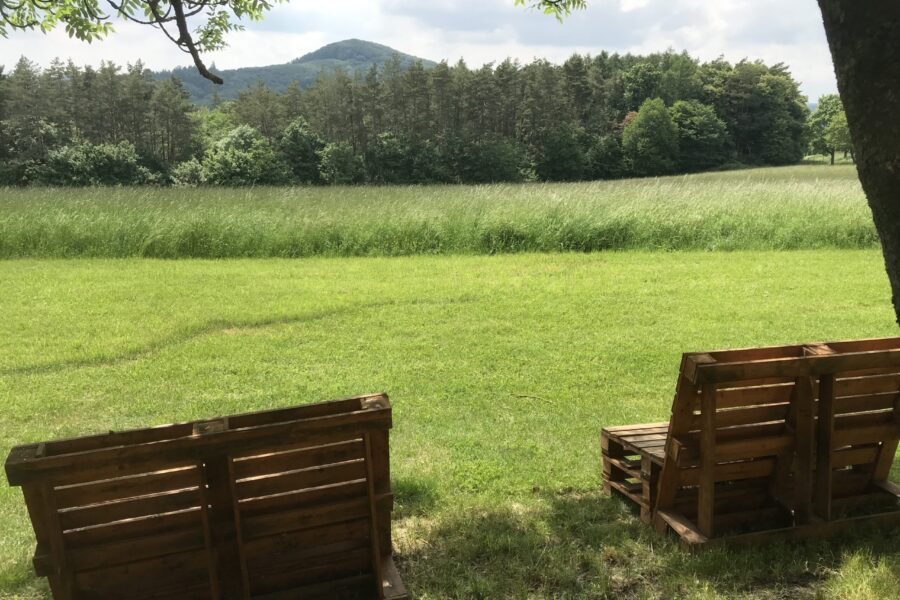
480, 31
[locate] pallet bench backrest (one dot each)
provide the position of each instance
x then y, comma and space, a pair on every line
809, 426
294, 501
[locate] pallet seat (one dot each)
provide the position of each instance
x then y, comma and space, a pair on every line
289, 503
784, 441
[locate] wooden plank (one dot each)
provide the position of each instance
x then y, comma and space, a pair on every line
746, 416
886, 453
374, 550
804, 452
129, 508
814, 529
133, 486
327, 570
845, 405
623, 430
345, 587
225, 529
630, 490
151, 578
853, 455
191, 448
873, 384
865, 345
392, 584
306, 411
132, 528
796, 367
850, 435
773, 393
300, 499
279, 483
306, 542
739, 449
309, 517
733, 471
686, 530
825, 462
707, 474
295, 459
61, 577
127, 551
679, 424
632, 468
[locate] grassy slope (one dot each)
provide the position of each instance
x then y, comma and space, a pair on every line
774, 208
501, 369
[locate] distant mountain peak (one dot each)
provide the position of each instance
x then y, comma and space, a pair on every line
354, 50
350, 55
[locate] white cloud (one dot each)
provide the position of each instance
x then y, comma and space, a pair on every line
486, 30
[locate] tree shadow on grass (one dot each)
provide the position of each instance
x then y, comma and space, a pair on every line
17, 580
590, 545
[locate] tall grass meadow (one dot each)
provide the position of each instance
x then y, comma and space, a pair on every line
787, 208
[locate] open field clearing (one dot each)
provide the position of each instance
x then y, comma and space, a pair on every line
803, 207
501, 371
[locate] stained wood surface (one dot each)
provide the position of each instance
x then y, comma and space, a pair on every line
785, 436
288, 503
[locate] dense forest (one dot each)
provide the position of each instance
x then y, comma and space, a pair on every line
592, 117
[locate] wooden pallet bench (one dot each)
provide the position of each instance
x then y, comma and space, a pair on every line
289, 503
767, 443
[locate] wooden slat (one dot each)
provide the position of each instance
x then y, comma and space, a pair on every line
707, 469
686, 530
289, 481
734, 471
156, 577
126, 487
745, 416
797, 367
132, 528
131, 550
824, 454
190, 448
744, 396
852, 455
873, 384
273, 463
225, 529
679, 425
849, 434
109, 512
306, 518
805, 442
737, 449
866, 403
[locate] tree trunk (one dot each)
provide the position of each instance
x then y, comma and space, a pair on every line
832, 157
864, 37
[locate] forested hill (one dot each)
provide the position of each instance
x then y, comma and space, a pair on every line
349, 55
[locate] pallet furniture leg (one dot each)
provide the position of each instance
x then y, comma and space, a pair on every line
611, 449
649, 481
824, 451
805, 429
706, 496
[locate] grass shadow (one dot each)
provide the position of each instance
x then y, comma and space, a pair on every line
590, 545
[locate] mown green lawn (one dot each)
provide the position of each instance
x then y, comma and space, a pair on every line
501, 370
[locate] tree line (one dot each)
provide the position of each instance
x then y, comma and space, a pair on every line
592, 117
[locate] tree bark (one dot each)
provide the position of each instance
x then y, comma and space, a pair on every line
864, 37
